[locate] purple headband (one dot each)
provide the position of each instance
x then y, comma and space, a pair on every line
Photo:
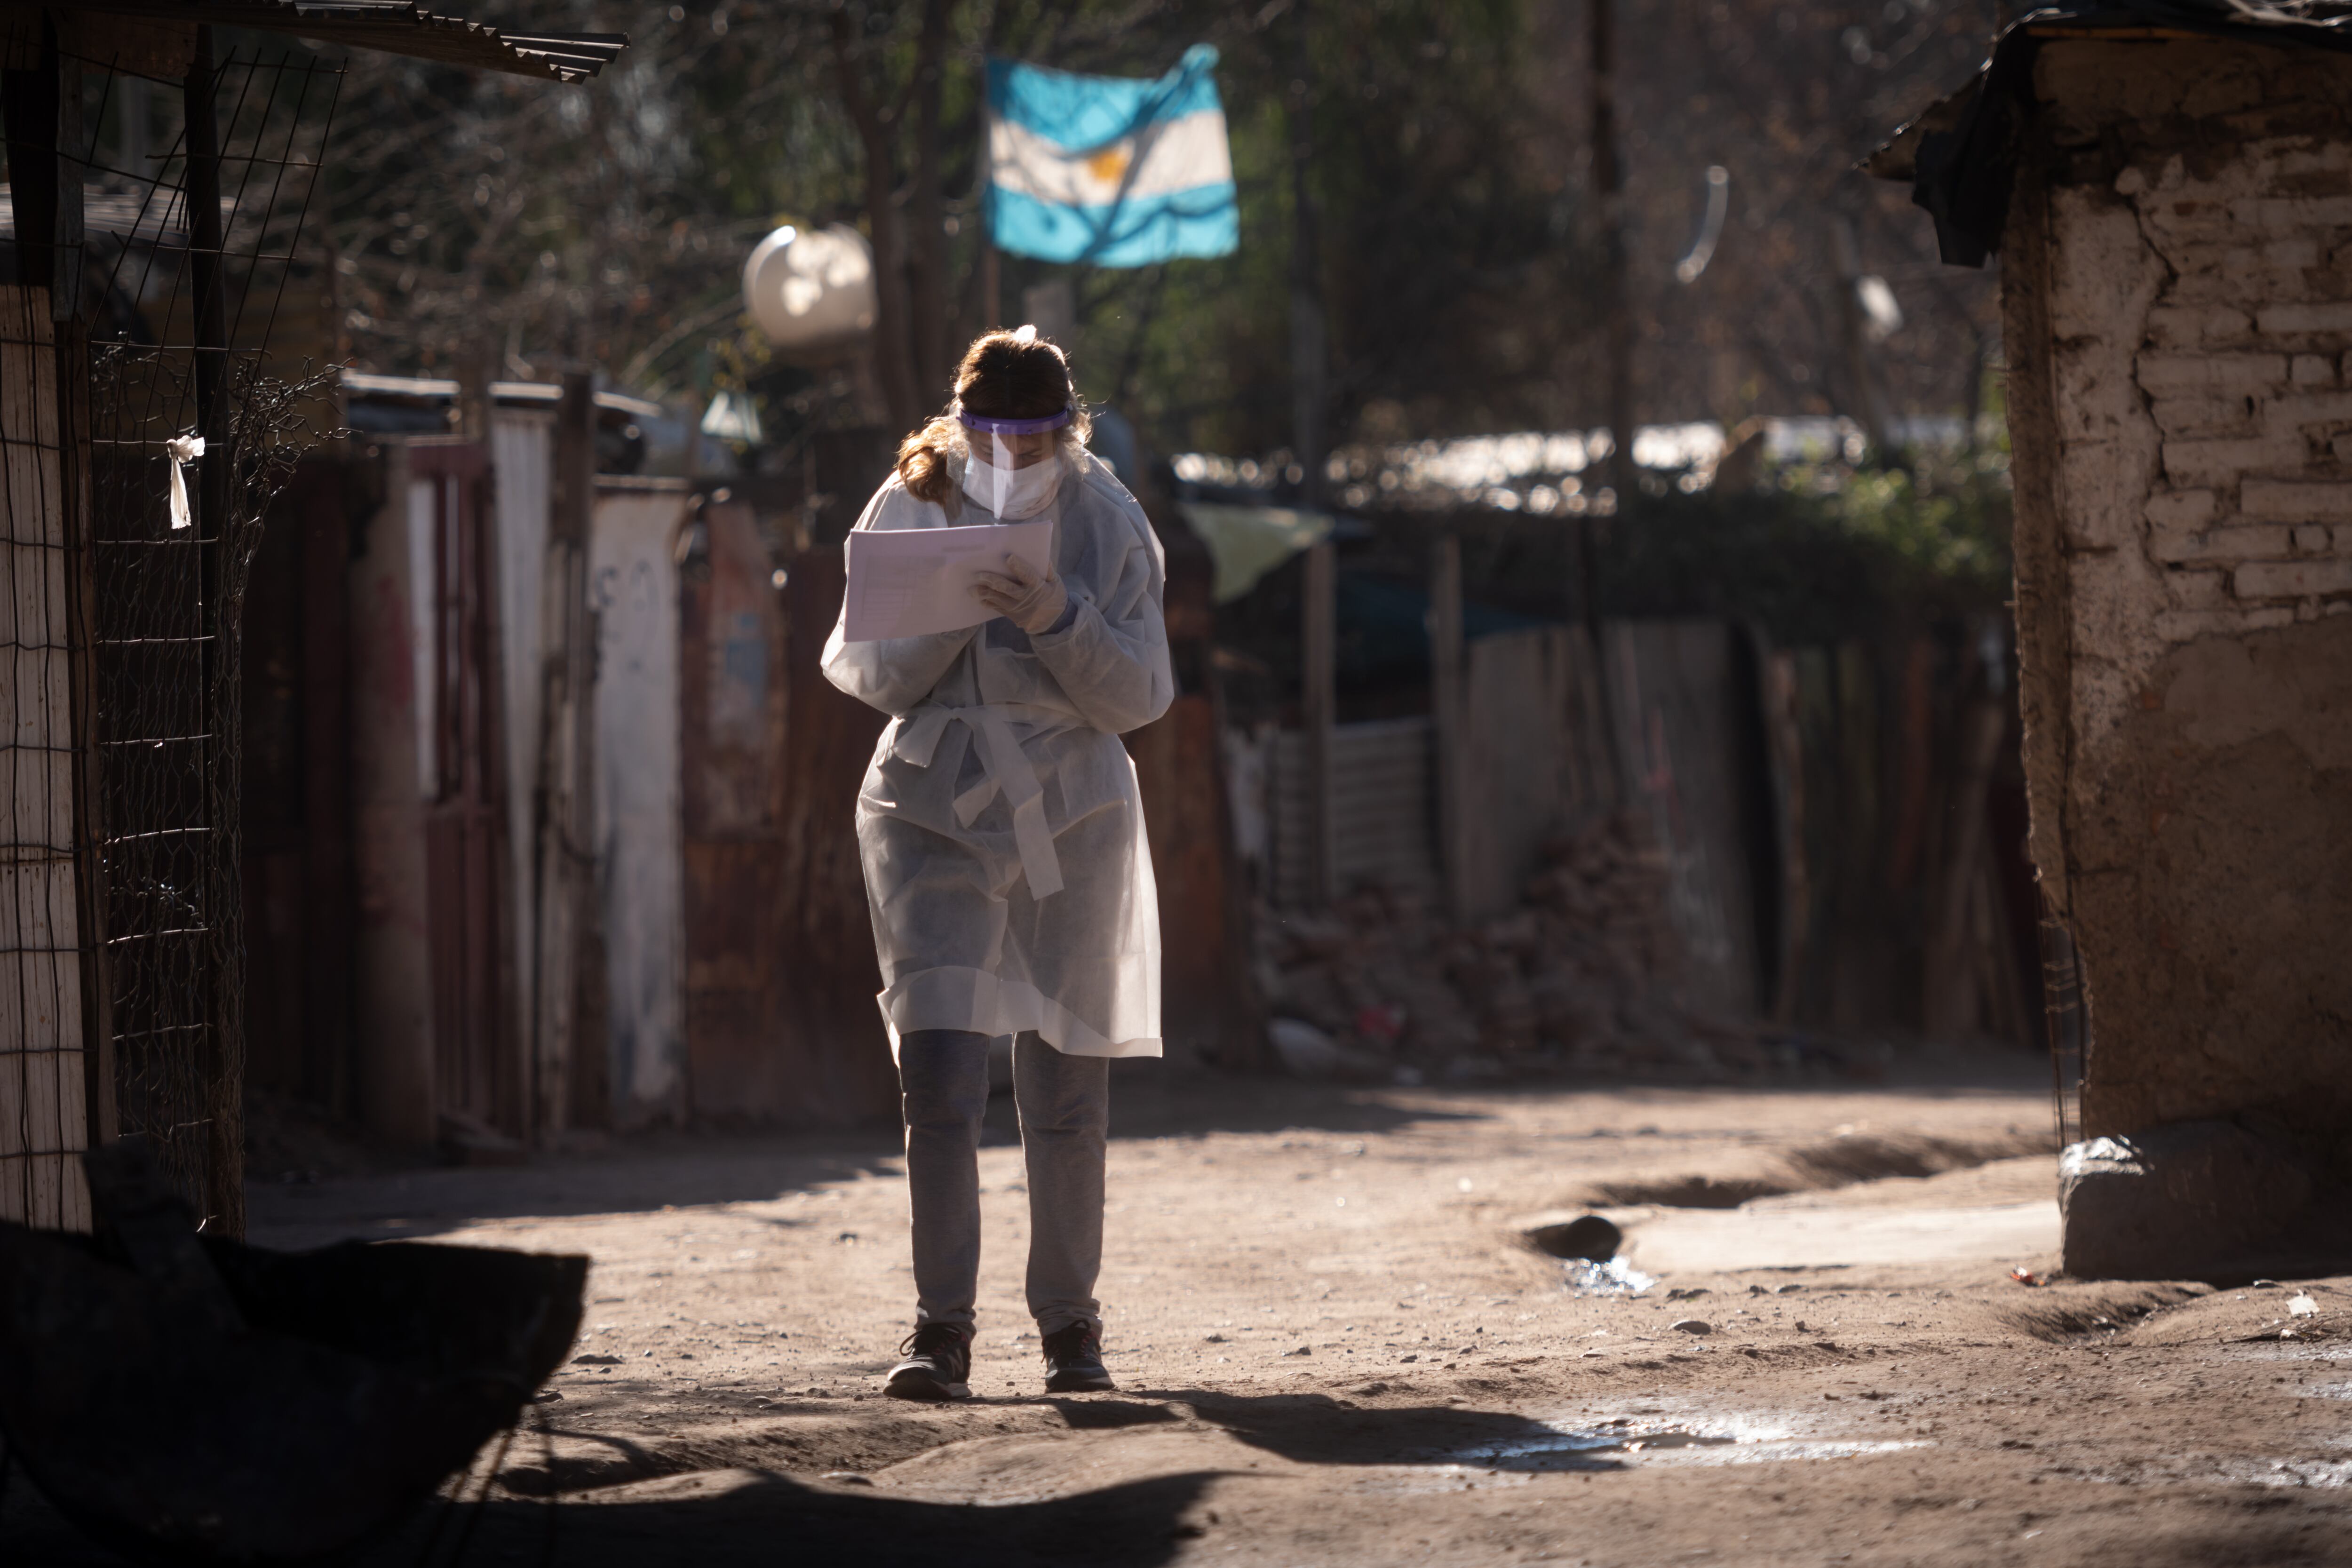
1014, 427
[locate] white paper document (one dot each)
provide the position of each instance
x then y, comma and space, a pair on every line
912, 581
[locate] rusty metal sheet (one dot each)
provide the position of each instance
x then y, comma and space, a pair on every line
732, 683
781, 1023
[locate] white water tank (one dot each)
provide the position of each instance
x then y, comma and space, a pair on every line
812, 290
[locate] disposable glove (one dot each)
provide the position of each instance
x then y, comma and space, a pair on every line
1019, 594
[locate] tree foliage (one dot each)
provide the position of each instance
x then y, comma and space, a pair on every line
537, 225
1787, 98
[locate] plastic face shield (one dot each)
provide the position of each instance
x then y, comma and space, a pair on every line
989, 476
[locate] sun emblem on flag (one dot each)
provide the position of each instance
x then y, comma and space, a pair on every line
1109, 165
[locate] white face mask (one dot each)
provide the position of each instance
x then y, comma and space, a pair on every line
1012, 494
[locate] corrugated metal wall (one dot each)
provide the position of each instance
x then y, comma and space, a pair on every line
1382, 805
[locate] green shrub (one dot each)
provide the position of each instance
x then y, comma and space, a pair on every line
1823, 554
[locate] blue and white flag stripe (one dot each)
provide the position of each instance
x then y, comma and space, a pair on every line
1111, 171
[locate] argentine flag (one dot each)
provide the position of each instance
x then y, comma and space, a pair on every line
1111, 171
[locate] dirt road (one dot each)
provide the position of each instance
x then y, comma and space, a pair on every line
1333, 1347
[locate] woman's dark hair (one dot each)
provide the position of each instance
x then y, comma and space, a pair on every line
1004, 375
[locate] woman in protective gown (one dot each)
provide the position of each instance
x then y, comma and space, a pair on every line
1003, 839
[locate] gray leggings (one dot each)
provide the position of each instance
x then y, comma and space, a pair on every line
1064, 1106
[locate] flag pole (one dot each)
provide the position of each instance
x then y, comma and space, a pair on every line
992, 282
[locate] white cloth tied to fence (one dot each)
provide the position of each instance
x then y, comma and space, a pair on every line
182, 450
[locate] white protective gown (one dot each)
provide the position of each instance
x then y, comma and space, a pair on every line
1000, 823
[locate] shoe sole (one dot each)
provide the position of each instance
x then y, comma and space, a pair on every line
918, 1385
1080, 1383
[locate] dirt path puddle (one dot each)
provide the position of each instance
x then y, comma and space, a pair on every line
1655, 1436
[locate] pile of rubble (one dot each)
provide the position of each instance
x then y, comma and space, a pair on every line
1578, 981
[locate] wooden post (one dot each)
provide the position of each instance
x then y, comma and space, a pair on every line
1600, 729
566, 889
476, 369
1319, 708
216, 524
1448, 712
206, 279
1785, 752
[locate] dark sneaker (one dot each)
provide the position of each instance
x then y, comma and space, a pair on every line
937, 1366
1074, 1362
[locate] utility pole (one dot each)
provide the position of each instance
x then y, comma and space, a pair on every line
1309, 338
1609, 186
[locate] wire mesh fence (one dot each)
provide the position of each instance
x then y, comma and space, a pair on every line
44, 1099
186, 430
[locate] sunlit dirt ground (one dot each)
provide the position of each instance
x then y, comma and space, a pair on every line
1333, 1346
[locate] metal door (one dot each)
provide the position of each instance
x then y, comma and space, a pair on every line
478, 1073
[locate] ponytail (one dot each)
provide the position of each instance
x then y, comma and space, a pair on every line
923, 464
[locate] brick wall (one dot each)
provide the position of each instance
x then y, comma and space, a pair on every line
2178, 287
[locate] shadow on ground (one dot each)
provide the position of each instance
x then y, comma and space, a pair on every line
747, 1516
1316, 1429
658, 1173
691, 1169
702, 1167
731, 1516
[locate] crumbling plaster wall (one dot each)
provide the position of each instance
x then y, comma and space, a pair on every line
2178, 289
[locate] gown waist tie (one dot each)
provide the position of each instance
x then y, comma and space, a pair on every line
1003, 766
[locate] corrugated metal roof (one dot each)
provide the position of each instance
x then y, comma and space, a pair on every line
397, 27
